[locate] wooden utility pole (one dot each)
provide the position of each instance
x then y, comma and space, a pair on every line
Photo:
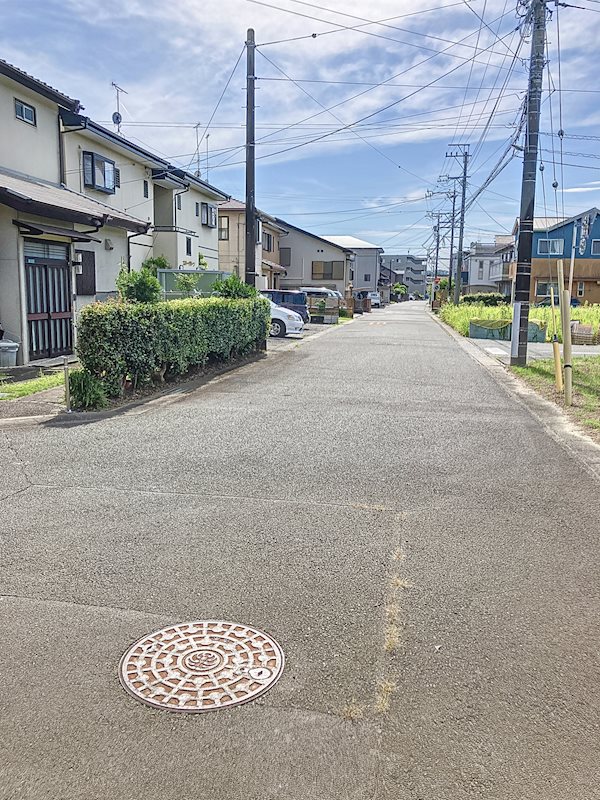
520, 327
250, 254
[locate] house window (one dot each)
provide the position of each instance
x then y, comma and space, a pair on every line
543, 289
178, 202
223, 229
188, 245
580, 289
328, 270
285, 256
208, 215
100, 173
550, 247
267, 242
25, 112
197, 209
367, 277
480, 271
595, 247
146, 189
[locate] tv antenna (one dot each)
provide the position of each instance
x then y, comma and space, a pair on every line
117, 117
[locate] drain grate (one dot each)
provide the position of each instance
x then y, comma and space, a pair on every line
201, 666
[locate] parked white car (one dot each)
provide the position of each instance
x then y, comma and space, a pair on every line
284, 321
375, 299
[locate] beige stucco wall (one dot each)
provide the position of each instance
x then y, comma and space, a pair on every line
130, 196
10, 287
232, 251
33, 150
303, 251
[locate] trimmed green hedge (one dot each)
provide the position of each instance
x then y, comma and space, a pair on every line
141, 342
485, 299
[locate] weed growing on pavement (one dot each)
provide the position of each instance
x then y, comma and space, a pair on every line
385, 690
353, 711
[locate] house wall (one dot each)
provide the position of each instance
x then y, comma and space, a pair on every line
366, 263
206, 240
30, 149
232, 251
10, 269
129, 197
108, 263
304, 249
586, 270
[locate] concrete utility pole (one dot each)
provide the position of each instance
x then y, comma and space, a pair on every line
452, 224
250, 255
460, 151
520, 326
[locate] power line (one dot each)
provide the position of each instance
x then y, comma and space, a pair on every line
361, 119
358, 29
216, 108
391, 78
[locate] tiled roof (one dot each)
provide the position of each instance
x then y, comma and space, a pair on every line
24, 78
19, 191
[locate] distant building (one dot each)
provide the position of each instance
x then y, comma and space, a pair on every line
407, 269
365, 272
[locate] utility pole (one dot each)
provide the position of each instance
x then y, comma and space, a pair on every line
460, 151
452, 224
250, 255
520, 326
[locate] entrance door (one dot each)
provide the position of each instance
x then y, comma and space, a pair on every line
49, 294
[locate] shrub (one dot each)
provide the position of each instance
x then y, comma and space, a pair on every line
186, 283
343, 312
233, 287
138, 287
485, 299
87, 392
155, 263
142, 342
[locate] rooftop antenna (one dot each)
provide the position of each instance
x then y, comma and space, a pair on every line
207, 138
197, 173
117, 117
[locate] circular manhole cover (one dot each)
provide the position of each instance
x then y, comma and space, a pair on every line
201, 666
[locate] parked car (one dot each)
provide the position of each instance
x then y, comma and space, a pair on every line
320, 291
547, 302
284, 321
294, 299
375, 299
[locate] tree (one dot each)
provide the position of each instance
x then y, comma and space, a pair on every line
399, 288
155, 263
186, 283
138, 287
233, 287
202, 262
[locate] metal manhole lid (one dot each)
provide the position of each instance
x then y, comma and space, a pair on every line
201, 666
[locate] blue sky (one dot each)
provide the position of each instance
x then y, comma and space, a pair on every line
371, 179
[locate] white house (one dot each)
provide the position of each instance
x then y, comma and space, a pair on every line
367, 259
78, 203
313, 261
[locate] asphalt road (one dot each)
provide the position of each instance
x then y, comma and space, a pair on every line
424, 552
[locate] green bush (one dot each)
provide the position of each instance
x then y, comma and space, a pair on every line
87, 392
186, 283
233, 287
138, 287
343, 312
142, 342
155, 263
485, 299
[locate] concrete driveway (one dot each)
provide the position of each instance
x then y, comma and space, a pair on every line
424, 552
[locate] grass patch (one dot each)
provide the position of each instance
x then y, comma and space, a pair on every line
586, 387
458, 317
12, 391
